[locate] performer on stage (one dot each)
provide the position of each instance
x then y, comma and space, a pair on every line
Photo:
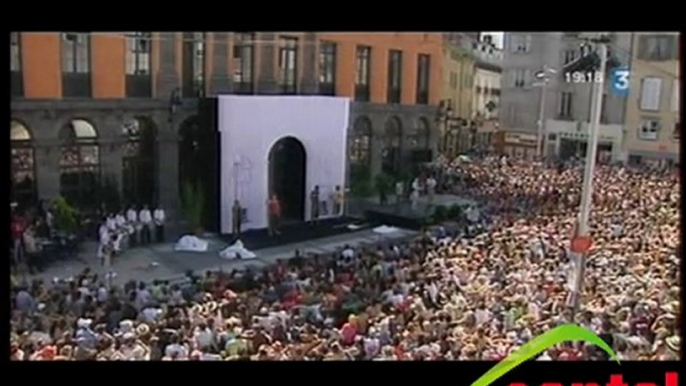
237, 216
132, 218
416, 189
431, 189
122, 231
314, 204
145, 219
399, 192
159, 217
337, 201
274, 209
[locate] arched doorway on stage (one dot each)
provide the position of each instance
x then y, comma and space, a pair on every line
287, 176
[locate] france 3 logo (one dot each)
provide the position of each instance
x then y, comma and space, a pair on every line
620, 81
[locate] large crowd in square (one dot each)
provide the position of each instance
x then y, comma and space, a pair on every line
475, 292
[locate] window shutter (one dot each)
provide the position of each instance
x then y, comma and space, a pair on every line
650, 94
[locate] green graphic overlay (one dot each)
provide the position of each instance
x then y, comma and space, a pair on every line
566, 332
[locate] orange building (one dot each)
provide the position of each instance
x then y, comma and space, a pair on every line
395, 81
118, 112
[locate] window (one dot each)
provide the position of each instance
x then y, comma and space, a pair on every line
361, 142
79, 164
650, 94
243, 58
422, 137
392, 144
362, 73
193, 64
570, 56
395, 60
138, 74
288, 56
327, 68
75, 53
138, 53
16, 78
565, 107
22, 167
76, 79
658, 47
15, 51
520, 43
519, 78
423, 74
649, 130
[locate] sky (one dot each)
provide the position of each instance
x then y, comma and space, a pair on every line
497, 38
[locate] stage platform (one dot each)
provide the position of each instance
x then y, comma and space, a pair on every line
300, 231
402, 215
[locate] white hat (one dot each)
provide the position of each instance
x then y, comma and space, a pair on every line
84, 323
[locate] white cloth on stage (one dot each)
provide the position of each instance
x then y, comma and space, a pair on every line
232, 252
191, 243
385, 229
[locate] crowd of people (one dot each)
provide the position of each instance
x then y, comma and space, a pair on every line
444, 295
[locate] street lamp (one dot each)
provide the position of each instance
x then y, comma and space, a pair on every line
543, 77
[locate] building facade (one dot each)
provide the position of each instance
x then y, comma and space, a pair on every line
653, 124
567, 102
95, 113
457, 98
394, 82
487, 90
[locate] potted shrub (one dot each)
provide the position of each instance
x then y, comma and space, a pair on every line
193, 203
65, 216
384, 185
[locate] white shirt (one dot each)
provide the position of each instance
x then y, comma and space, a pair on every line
145, 216
131, 215
159, 216
111, 223
203, 338
120, 220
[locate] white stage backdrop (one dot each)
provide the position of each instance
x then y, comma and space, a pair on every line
251, 125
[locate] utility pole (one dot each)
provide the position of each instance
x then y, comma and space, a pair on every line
581, 240
541, 119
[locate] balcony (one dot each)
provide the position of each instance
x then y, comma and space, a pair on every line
138, 86
422, 97
393, 95
327, 89
244, 88
16, 84
361, 93
76, 85
288, 89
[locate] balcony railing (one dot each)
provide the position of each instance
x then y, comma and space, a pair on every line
138, 86
327, 89
361, 93
422, 97
244, 88
393, 95
16, 84
76, 85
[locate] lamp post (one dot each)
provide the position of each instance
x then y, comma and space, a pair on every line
581, 238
